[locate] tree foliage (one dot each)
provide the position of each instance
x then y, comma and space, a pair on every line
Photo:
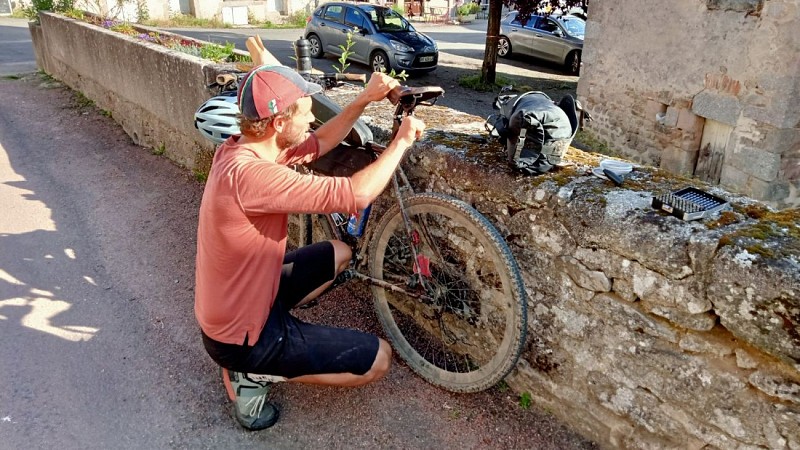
526, 8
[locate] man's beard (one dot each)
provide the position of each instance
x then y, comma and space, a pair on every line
285, 140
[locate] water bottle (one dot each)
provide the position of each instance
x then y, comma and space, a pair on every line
302, 51
358, 221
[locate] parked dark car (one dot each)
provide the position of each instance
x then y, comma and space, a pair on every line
553, 38
383, 40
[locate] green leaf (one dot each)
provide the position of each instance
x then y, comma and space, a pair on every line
525, 400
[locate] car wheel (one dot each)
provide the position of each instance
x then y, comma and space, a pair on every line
316, 46
573, 63
379, 62
503, 47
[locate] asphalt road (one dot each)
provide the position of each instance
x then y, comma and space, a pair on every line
16, 49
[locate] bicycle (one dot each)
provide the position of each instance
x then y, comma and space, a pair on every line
447, 289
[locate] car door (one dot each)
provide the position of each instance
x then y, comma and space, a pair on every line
363, 39
520, 36
546, 42
332, 28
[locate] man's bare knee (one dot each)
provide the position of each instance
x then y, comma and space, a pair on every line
383, 360
342, 255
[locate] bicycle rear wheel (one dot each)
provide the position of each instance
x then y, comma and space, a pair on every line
467, 330
306, 229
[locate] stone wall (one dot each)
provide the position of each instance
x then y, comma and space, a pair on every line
704, 87
644, 331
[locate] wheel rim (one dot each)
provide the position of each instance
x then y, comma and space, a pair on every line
467, 335
503, 47
315, 45
379, 63
576, 63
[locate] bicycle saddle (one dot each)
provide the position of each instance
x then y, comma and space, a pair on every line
414, 95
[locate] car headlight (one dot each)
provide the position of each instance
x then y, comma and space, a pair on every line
400, 47
435, 46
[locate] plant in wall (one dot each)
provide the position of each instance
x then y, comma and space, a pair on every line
346, 52
211, 51
124, 28
60, 6
216, 52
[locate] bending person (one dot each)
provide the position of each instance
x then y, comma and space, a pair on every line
246, 283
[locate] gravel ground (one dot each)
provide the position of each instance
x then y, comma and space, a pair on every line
141, 212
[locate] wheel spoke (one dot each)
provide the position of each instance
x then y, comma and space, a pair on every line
471, 320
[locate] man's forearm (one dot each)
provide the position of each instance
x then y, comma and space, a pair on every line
369, 182
332, 132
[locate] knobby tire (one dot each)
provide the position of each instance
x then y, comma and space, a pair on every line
469, 330
306, 229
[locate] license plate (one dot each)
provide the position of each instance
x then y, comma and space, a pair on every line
426, 59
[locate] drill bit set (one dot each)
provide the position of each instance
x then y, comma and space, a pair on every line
689, 203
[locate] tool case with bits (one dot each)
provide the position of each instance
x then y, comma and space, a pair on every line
689, 203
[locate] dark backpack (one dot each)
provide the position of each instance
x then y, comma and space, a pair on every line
534, 131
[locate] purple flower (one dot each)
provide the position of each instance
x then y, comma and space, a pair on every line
108, 23
146, 37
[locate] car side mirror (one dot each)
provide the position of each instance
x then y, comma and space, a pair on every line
558, 32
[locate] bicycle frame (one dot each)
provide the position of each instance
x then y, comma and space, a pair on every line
406, 104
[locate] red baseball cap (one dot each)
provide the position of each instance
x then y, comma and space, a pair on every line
268, 90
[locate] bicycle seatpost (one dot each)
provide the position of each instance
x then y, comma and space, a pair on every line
407, 98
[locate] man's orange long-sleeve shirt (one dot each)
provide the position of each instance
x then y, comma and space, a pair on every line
241, 235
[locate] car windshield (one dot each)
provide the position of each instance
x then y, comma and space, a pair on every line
386, 20
574, 25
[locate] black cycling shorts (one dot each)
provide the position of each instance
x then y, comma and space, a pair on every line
289, 347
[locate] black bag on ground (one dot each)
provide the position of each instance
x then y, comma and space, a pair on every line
535, 131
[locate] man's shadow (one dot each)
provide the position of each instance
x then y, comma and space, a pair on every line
34, 270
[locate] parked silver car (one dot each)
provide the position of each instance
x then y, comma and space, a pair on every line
553, 38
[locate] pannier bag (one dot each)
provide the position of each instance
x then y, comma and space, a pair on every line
534, 131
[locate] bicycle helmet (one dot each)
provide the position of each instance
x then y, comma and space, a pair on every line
216, 119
